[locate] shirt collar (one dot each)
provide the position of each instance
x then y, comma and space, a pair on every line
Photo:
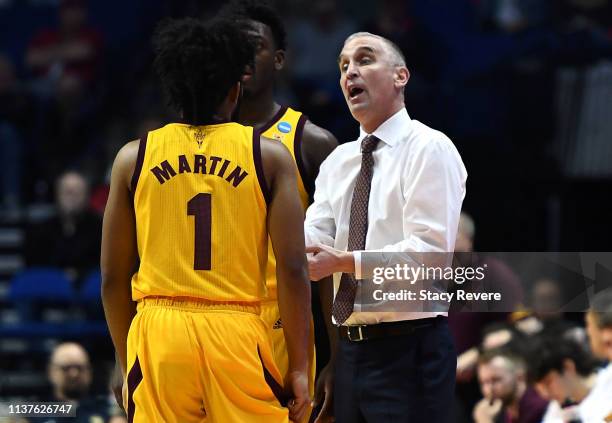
391, 130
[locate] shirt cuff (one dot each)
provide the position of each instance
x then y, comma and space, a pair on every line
357, 258
309, 237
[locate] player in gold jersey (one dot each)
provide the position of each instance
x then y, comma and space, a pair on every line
194, 203
308, 143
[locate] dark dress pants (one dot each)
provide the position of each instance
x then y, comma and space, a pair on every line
397, 379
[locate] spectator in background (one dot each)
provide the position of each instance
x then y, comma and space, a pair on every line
99, 195
502, 335
515, 15
507, 397
316, 41
314, 45
498, 277
585, 14
71, 239
466, 324
66, 57
465, 235
583, 127
547, 301
599, 326
565, 373
392, 22
471, 65
71, 376
494, 336
64, 62
469, 70
14, 107
529, 76
545, 316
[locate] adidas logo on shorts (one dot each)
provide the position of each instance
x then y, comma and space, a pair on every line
278, 324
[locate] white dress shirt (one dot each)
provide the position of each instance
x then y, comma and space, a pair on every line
598, 404
418, 186
594, 408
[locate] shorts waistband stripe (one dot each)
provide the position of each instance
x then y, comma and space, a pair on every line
189, 303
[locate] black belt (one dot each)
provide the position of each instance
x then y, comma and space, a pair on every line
359, 333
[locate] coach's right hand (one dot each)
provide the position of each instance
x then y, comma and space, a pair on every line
297, 381
324, 392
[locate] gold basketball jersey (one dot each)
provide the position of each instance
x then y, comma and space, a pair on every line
200, 205
287, 127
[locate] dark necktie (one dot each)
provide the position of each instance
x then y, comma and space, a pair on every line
358, 228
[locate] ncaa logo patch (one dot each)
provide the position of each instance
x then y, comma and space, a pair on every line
284, 127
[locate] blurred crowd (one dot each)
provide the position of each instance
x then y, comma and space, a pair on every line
533, 362
522, 87
76, 83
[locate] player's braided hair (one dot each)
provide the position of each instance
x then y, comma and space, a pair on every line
198, 62
259, 11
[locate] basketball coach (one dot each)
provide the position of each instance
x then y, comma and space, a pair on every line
398, 188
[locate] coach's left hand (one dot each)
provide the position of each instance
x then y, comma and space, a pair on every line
327, 260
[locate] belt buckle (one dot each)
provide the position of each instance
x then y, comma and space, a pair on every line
355, 336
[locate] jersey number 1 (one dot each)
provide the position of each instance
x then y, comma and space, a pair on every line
200, 207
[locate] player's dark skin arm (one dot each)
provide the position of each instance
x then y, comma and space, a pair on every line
317, 144
285, 226
119, 252
324, 388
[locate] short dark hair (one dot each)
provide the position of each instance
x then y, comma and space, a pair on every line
601, 308
198, 62
259, 11
549, 353
514, 357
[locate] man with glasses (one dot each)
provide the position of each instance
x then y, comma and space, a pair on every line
70, 375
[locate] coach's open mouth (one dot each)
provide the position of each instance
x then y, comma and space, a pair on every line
354, 92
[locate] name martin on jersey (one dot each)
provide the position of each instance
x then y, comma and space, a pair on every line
212, 165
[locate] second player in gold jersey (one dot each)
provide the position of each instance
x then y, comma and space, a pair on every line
308, 144
286, 127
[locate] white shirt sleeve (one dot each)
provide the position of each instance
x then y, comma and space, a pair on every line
320, 226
